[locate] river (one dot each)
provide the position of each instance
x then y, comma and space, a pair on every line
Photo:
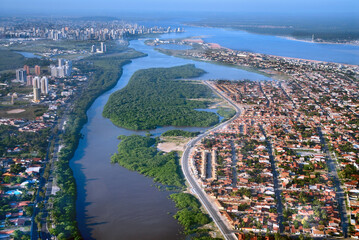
274, 45
114, 203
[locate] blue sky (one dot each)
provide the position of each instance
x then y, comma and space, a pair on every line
98, 7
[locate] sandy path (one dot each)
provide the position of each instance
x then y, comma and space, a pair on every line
15, 111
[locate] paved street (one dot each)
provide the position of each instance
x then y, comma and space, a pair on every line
195, 188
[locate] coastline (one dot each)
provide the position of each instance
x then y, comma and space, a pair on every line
291, 38
167, 52
324, 42
248, 69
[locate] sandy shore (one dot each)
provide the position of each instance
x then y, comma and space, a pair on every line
173, 144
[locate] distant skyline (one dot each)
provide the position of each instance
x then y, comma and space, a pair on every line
113, 7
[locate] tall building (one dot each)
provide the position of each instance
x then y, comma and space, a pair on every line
63, 70
29, 80
21, 75
53, 70
56, 36
37, 70
103, 47
36, 82
44, 86
61, 62
36, 94
68, 68
27, 69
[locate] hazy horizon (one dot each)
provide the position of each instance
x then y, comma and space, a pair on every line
112, 7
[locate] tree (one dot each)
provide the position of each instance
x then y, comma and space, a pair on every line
19, 235
277, 236
305, 224
7, 222
7, 179
29, 210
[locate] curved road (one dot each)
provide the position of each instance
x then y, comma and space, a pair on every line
191, 179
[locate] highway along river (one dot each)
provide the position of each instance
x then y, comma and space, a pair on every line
114, 203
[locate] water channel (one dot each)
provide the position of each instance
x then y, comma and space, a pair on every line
114, 203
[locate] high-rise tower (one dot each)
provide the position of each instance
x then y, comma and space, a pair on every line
37, 70
44, 86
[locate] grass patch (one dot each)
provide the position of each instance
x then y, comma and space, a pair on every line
30, 113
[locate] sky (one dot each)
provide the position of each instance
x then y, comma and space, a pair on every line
112, 7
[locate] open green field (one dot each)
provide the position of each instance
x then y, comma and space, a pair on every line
30, 113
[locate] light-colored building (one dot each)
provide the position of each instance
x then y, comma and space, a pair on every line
53, 70
36, 82
61, 62
36, 94
63, 70
21, 75
68, 68
44, 86
103, 47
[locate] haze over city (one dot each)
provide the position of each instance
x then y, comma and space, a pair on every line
80, 7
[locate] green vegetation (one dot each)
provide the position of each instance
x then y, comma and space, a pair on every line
7, 76
19, 235
189, 215
105, 73
137, 153
153, 97
31, 142
227, 113
10, 60
182, 133
31, 62
30, 113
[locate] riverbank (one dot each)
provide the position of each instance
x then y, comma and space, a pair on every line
138, 204
255, 29
177, 53
105, 73
140, 154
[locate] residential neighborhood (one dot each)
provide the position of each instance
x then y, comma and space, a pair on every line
289, 162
